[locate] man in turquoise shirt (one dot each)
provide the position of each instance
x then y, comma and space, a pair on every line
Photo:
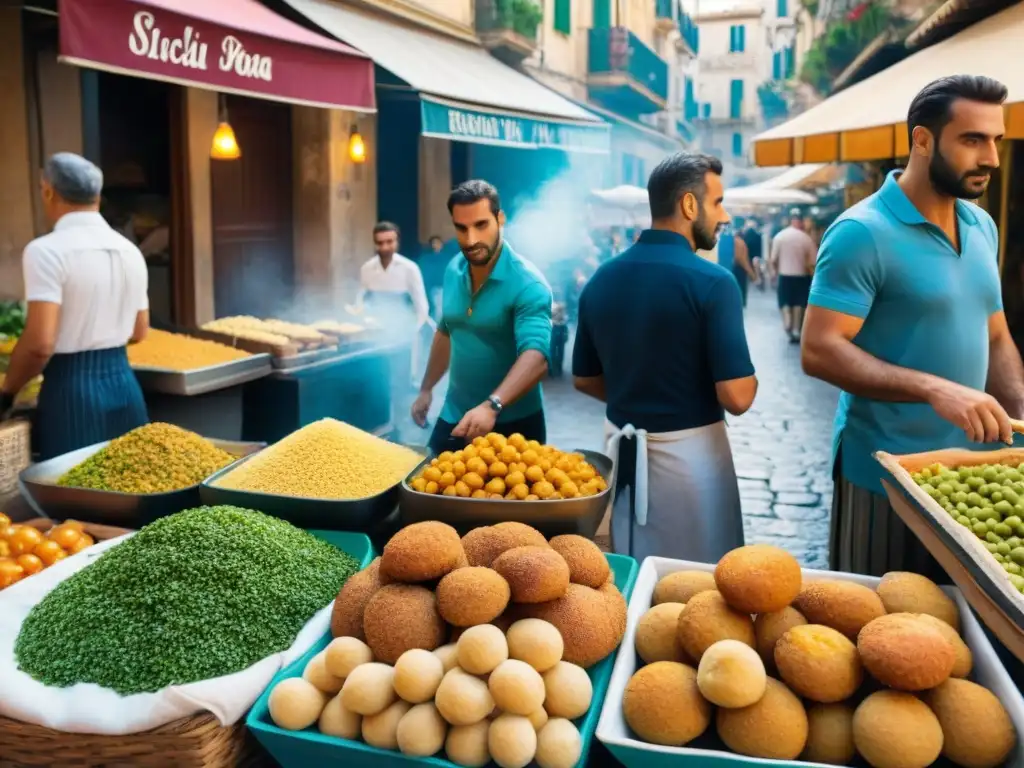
494, 337
906, 317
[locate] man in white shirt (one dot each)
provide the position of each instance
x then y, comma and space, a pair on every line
792, 260
85, 285
390, 283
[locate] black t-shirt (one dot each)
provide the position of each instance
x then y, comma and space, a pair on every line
753, 241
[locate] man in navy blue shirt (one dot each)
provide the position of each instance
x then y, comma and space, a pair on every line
661, 341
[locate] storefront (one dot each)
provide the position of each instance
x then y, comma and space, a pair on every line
449, 111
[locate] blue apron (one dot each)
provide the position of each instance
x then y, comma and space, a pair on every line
87, 398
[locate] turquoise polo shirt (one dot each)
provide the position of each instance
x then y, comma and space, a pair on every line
510, 314
924, 307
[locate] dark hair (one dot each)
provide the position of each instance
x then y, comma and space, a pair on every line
473, 191
932, 108
386, 226
432, 238
675, 176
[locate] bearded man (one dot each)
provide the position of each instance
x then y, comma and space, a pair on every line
906, 317
494, 337
661, 342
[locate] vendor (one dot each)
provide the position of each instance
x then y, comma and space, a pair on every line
661, 341
390, 284
906, 317
495, 331
85, 285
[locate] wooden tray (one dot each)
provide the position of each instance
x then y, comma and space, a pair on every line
980, 578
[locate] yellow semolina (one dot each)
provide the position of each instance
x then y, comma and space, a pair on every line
175, 352
327, 459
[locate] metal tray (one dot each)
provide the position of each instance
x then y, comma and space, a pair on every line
199, 381
306, 358
38, 484
581, 516
326, 514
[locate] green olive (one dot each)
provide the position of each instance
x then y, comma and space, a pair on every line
973, 482
1011, 495
1017, 555
975, 500
990, 547
1013, 521
991, 523
980, 529
958, 497
993, 538
1003, 507
962, 507
964, 520
1012, 568
1014, 542
989, 473
1013, 475
1004, 549
999, 556
945, 489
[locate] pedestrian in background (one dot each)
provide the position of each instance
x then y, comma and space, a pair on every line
494, 337
906, 317
733, 256
432, 263
792, 260
661, 341
754, 240
86, 288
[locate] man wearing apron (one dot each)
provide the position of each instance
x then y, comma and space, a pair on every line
661, 341
86, 290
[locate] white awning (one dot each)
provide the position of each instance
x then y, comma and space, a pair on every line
467, 89
758, 194
803, 176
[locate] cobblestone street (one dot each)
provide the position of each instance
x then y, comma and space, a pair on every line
782, 446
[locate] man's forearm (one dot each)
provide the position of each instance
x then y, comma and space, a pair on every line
853, 370
1006, 376
525, 374
25, 365
437, 364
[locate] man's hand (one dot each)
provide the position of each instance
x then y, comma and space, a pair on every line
476, 422
421, 407
978, 414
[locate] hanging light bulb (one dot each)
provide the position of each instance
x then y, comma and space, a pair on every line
356, 147
225, 146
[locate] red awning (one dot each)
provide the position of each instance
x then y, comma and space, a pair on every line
235, 46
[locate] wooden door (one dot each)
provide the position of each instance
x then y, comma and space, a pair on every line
254, 269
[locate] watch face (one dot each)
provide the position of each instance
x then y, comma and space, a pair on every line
495, 403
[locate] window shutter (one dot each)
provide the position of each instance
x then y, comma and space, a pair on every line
736, 100
563, 16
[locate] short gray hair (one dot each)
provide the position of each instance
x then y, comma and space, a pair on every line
77, 180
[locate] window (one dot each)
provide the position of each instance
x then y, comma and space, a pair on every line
737, 145
707, 110
789, 62
690, 106
782, 8
602, 14
737, 38
777, 65
563, 16
736, 100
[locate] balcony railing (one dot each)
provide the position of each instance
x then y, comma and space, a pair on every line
689, 32
508, 28
617, 57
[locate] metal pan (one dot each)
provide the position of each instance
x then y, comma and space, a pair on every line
581, 516
38, 484
305, 358
199, 381
326, 514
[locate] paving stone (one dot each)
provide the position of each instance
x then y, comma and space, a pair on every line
799, 499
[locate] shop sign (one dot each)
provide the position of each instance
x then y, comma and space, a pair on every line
443, 120
270, 57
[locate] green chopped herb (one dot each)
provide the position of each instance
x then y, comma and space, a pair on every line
194, 596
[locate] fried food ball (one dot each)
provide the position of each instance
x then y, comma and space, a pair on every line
903, 592
402, 616
830, 735
481, 649
568, 690
369, 690
591, 622
335, 720
317, 673
417, 675
523, 535
517, 688
463, 699
466, 745
512, 741
842, 605
663, 705
706, 619
680, 586
905, 653
819, 663
482, 545
559, 744
964, 658
587, 564
473, 595
657, 636
449, 655
534, 574
536, 642
421, 731
731, 674
345, 654
347, 614
775, 727
892, 729
295, 704
977, 730
381, 730
539, 718
758, 578
769, 627
421, 552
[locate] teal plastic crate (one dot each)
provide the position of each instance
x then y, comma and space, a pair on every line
301, 749
356, 544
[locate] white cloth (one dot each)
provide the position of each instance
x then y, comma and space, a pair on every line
96, 275
684, 502
794, 252
88, 708
402, 276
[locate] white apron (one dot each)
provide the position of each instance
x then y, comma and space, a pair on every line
685, 501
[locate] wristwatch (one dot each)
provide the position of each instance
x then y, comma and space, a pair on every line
496, 404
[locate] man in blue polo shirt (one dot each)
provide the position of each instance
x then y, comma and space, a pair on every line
906, 317
661, 341
494, 337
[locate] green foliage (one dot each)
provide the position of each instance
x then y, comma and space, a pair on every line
521, 16
842, 42
12, 318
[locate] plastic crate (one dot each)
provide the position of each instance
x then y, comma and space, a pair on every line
356, 544
301, 749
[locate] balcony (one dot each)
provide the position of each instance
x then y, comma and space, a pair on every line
689, 34
664, 19
624, 74
508, 28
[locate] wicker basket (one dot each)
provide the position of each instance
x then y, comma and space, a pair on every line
193, 742
15, 454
